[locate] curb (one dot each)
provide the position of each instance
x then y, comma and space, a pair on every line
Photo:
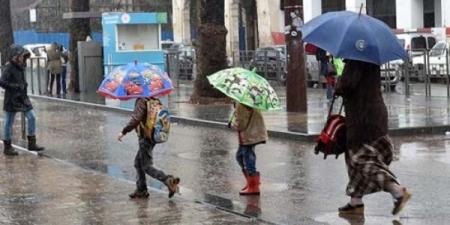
440, 129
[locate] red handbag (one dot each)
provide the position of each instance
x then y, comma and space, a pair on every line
333, 139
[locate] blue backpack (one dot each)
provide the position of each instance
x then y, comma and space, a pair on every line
157, 125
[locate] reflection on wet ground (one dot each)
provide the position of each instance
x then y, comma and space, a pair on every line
298, 187
38, 191
417, 111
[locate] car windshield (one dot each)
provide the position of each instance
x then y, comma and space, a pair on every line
438, 49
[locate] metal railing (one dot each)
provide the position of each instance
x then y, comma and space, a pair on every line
37, 75
181, 64
424, 67
270, 64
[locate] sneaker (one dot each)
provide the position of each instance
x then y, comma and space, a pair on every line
399, 203
172, 184
352, 209
139, 194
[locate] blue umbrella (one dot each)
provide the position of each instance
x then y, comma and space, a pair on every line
350, 35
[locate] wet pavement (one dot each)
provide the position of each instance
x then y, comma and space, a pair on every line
298, 187
38, 190
407, 115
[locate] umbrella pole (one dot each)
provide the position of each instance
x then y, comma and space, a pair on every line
360, 8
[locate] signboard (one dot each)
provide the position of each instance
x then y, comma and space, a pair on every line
32, 15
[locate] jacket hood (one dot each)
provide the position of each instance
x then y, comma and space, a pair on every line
16, 50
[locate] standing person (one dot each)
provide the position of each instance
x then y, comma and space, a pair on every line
322, 58
330, 78
65, 58
251, 131
54, 67
16, 99
143, 162
369, 149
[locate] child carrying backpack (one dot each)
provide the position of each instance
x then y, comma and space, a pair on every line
152, 123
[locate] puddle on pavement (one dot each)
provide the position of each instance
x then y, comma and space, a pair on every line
334, 218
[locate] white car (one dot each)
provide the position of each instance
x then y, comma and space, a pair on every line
416, 44
38, 54
437, 61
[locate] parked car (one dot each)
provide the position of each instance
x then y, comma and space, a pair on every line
417, 44
270, 62
414, 42
437, 61
38, 54
182, 57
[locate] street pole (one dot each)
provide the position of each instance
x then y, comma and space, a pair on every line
296, 74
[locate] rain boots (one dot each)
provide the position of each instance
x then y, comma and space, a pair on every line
32, 146
8, 149
172, 184
252, 185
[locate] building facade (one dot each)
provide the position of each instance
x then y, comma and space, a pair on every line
260, 23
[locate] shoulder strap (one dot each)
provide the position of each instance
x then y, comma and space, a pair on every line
331, 106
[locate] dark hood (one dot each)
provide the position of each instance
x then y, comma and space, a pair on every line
16, 50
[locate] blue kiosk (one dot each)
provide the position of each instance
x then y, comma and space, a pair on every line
132, 36
129, 37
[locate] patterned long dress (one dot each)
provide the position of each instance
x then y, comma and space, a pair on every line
369, 150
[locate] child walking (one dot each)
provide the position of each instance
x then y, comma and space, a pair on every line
144, 157
251, 130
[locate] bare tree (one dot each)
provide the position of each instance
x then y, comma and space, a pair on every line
79, 30
6, 31
210, 47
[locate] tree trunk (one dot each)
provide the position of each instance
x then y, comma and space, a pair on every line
210, 49
296, 77
79, 30
6, 31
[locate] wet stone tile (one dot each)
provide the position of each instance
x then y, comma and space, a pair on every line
43, 191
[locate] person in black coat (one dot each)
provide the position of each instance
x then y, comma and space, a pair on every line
369, 148
16, 99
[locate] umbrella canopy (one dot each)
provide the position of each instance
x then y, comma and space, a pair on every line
136, 81
350, 35
246, 87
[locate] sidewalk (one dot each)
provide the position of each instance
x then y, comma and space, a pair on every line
298, 187
38, 190
414, 115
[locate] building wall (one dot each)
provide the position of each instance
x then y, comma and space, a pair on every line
181, 21
270, 19
445, 14
409, 14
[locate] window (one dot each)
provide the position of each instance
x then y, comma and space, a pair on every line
431, 42
418, 43
332, 5
439, 49
137, 37
428, 13
383, 10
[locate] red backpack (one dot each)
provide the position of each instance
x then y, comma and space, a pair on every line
333, 139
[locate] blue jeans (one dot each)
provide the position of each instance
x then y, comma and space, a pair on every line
246, 158
63, 79
9, 121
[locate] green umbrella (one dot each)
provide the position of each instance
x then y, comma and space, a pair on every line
246, 87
